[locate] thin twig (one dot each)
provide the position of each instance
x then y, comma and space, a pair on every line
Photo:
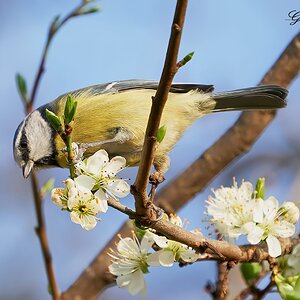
43, 238
139, 189
54, 28
257, 293
222, 284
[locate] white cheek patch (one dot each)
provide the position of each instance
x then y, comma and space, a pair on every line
39, 136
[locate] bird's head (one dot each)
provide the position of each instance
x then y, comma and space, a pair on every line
33, 143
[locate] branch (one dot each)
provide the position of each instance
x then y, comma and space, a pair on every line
235, 142
53, 29
43, 238
139, 189
256, 292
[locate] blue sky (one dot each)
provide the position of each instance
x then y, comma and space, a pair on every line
235, 42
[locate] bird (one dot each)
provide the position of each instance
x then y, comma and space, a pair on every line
113, 116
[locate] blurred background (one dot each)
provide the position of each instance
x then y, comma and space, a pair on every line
235, 43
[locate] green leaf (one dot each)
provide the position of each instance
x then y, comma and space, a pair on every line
70, 109
188, 57
161, 133
288, 287
260, 188
292, 296
297, 284
54, 25
47, 187
54, 120
90, 10
250, 271
22, 87
50, 291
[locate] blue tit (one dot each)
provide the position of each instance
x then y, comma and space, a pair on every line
113, 116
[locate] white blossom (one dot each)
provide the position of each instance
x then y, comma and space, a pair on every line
100, 173
130, 263
83, 205
231, 208
60, 196
268, 225
237, 211
171, 251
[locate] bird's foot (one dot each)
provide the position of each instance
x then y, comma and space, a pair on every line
156, 178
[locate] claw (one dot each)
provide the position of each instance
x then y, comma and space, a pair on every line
156, 178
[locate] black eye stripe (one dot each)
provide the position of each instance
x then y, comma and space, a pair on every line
23, 145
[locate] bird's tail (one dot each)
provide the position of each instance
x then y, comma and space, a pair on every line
260, 97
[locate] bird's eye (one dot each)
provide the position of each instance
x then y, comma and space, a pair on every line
23, 145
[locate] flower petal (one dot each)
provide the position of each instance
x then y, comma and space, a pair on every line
274, 247
75, 218
153, 258
166, 258
84, 182
189, 255
118, 187
96, 162
255, 233
283, 229
88, 222
146, 242
101, 200
123, 280
270, 208
161, 241
137, 283
115, 165
258, 212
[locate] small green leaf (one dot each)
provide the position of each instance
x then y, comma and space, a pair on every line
297, 284
188, 57
288, 287
90, 10
54, 25
294, 295
260, 188
50, 291
22, 87
161, 133
250, 271
47, 187
54, 120
70, 109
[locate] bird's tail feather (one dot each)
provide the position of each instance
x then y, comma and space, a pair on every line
260, 97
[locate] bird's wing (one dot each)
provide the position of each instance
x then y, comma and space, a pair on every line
125, 85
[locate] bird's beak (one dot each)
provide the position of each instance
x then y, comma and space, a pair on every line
27, 168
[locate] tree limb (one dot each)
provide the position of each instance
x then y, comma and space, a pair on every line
139, 188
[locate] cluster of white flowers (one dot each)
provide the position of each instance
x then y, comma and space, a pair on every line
238, 210
86, 195
133, 258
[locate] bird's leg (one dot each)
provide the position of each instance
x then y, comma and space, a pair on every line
161, 164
